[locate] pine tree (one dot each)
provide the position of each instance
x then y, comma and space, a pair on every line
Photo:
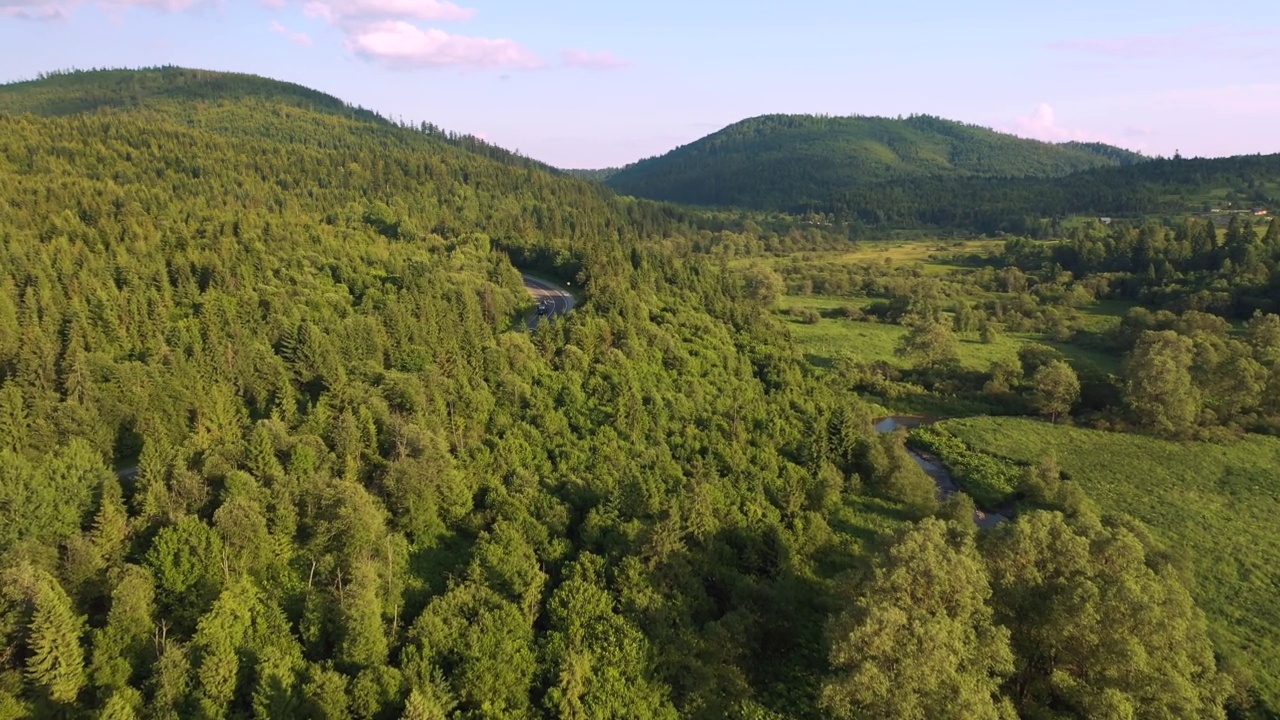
262, 460
56, 662
364, 639
325, 691
431, 703
73, 366
170, 683
111, 522
15, 425
127, 644
122, 705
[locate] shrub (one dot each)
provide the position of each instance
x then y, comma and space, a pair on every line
989, 480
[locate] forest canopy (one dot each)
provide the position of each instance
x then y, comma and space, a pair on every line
276, 441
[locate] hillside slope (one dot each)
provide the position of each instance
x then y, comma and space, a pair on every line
180, 90
362, 485
212, 100
784, 162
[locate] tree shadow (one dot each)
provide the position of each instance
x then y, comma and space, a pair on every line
434, 564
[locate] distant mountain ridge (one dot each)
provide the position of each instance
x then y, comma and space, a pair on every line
787, 162
600, 175
918, 172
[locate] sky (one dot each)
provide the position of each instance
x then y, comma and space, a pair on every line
583, 84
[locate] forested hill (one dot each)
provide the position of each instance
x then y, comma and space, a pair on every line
782, 162
211, 100
74, 92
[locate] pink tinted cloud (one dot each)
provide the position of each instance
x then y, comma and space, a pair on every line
348, 11
1042, 124
61, 9
401, 45
603, 60
164, 5
294, 36
34, 10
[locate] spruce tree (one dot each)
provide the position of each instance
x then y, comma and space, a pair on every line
56, 662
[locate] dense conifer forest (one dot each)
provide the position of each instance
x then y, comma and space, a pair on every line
276, 442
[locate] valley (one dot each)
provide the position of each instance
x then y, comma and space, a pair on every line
310, 413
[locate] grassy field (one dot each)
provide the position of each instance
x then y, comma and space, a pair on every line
821, 302
830, 337
935, 257
1105, 314
1218, 504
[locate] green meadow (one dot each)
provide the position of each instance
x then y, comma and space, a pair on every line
829, 338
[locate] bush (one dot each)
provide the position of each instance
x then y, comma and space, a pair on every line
988, 479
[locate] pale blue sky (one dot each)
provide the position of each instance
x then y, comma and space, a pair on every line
589, 84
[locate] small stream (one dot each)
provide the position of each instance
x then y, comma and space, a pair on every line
934, 468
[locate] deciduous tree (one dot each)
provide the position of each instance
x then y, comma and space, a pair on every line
1055, 389
1159, 388
929, 344
920, 640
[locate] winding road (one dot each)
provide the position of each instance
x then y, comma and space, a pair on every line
543, 291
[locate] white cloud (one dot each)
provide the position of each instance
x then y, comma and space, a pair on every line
385, 32
296, 37
402, 45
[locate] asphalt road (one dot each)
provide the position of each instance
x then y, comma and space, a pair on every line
561, 301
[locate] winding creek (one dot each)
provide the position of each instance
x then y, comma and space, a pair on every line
934, 468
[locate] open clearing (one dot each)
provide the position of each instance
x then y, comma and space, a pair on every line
828, 338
